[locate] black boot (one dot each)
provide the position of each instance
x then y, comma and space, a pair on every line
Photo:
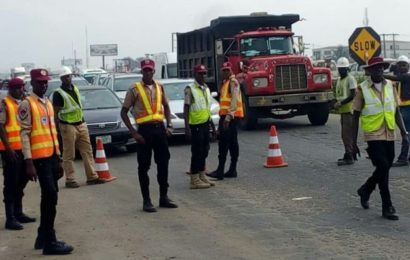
347, 160
54, 247
390, 213
219, 172
231, 173
164, 201
11, 221
364, 197
20, 216
148, 207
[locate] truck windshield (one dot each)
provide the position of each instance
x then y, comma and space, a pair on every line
256, 46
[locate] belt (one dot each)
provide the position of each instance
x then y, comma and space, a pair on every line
76, 123
152, 125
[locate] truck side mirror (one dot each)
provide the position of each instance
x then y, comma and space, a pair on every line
214, 94
241, 65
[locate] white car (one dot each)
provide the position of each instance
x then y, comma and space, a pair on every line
120, 83
174, 90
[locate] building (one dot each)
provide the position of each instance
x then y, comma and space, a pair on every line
394, 49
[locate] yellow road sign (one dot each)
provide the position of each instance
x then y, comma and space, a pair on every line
364, 44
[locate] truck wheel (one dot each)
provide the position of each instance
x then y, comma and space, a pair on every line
318, 114
250, 119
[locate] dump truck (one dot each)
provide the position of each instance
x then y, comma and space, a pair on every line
276, 80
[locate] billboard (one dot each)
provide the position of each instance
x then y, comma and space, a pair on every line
103, 49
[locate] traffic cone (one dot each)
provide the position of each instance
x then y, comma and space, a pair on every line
101, 165
275, 158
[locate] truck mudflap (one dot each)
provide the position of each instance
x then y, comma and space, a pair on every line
290, 99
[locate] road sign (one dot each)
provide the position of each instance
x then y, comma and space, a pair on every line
103, 50
364, 44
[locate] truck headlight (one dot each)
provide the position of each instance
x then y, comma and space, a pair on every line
260, 82
320, 78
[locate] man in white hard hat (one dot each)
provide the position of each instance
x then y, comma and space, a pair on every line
345, 91
403, 89
73, 130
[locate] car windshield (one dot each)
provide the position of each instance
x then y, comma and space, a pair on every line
175, 91
256, 46
54, 84
123, 84
98, 99
172, 70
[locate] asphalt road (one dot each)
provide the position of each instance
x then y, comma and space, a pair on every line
252, 217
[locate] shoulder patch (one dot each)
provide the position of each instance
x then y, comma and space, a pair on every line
23, 113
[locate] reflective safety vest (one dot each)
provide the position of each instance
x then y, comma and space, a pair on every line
343, 92
12, 126
402, 102
153, 111
71, 112
43, 137
375, 112
200, 109
225, 101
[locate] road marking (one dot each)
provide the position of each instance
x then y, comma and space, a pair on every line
302, 198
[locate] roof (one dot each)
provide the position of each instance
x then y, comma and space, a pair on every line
173, 80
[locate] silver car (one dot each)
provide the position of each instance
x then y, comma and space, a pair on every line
120, 83
174, 90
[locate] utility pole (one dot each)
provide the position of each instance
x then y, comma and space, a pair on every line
394, 45
86, 48
384, 45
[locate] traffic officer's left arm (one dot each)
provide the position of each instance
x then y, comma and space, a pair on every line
167, 111
3, 134
399, 118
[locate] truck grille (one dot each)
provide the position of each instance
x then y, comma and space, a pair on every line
291, 77
103, 127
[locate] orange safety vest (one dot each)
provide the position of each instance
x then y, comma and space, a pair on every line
153, 111
225, 101
12, 126
43, 137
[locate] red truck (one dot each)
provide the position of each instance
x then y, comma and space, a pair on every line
276, 81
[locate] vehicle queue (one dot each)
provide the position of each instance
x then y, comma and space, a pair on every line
30, 126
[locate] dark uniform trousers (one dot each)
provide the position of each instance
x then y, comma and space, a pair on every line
228, 141
199, 146
155, 140
48, 173
381, 154
15, 180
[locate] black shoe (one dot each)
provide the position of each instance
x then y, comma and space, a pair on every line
167, 203
148, 207
39, 244
23, 218
389, 213
231, 174
216, 175
13, 224
57, 248
364, 199
400, 163
345, 162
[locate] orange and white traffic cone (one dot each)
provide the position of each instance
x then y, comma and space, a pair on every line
101, 165
275, 158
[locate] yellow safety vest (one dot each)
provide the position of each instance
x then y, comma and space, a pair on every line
153, 111
225, 101
375, 112
200, 109
71, 112
12, 126
343, 92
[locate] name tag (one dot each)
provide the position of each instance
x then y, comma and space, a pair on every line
44, 120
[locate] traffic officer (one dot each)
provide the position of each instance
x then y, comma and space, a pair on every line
402, 77
345, 90
42, 158
230, 111
197, 116
15, 178
73, 130
150, 104
375, 104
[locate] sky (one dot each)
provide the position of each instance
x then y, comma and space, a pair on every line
45, 31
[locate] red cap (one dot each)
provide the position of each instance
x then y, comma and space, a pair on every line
39, 74
376, 61
147, 63
200, 69
226, 66
16, 82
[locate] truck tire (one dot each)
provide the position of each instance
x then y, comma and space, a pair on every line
250, 119
318, 114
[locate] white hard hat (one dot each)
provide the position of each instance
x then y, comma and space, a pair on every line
342, 63
403, 58
65, 71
